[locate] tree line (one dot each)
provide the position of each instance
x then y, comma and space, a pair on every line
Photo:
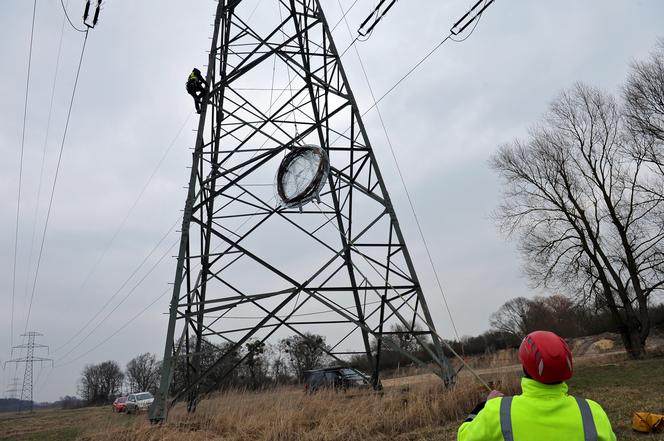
256, 365
560, 314
260, 365
264, 365
102, 383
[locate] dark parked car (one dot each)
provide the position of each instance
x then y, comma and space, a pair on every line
120, 404
336, 378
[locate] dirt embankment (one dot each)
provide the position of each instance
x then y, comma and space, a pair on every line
590, 350
590, 347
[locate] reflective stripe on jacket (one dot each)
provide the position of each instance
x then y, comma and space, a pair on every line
543, 412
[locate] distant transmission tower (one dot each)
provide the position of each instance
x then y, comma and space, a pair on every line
288, 226
12, 389
29, 360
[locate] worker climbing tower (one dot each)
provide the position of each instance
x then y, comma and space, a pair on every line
288, 228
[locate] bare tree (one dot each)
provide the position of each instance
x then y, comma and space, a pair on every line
402, 337
574, 199
143, 373
101, 383
280, 370
221, 377
644, 99
257, 363
512, 317
305, 352
643, 94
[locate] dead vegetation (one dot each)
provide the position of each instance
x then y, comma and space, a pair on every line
288, 414
412, 408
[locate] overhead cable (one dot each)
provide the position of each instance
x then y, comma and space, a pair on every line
55, 180
432, 331
20, 170
120, 227
43, 158
64, 9
405, 187
119, 328
408, 73
131, 291
119, 290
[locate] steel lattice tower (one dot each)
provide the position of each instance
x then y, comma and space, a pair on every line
252, 267
29, 360
12, 389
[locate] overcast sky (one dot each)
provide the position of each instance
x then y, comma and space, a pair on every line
444, 121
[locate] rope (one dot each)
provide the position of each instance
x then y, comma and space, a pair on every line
417, 314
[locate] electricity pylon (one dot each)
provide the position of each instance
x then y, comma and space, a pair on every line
288, 226
29, 360
12, 389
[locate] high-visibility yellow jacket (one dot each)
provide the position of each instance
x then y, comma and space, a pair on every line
543, 412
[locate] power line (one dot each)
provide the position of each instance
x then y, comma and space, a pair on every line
117, 292
405, 187
418, 64
119, 229
43, 158
131, 291
20, 170
55, 180
135, 204
119, 329
64, 9
431, 52
409, 306
145, 309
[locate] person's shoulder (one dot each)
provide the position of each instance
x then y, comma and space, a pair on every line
493, 405
594, 404
596, 409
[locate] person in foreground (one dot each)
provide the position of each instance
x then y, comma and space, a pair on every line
544, 411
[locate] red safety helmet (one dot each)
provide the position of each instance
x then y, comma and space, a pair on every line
546, 357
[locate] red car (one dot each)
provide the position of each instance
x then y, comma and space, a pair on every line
120, 404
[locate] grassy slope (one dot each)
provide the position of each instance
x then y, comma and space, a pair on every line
58, 425
621, 388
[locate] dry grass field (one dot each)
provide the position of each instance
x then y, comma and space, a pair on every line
410, 409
